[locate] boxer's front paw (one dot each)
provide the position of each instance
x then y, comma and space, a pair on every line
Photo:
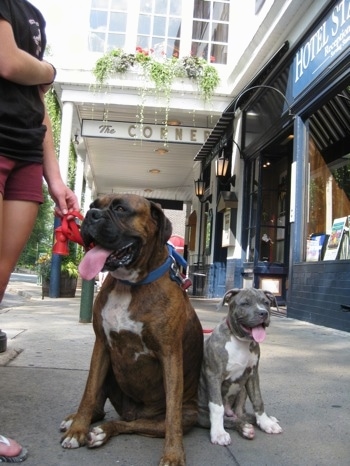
73, 439
75, 433
97, 437
268, 424
65, 424
220, 437
174, 457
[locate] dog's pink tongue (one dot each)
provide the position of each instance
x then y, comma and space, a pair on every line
93, 262
259, 333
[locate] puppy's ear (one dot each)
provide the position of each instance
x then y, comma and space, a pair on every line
164, 224
228, 296
271, 297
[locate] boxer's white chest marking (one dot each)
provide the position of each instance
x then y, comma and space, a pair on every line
239, 358
115, 315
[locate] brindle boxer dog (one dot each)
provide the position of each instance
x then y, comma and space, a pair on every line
149, 341
230, 368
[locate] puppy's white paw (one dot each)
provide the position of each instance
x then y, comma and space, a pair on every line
268, 424
96, 437
218, 434
65, 425
248, 431
220, 437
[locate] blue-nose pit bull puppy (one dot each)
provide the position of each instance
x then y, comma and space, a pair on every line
230, 368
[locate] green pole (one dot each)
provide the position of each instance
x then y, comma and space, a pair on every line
86, 301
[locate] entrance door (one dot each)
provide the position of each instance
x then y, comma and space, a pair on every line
268, 228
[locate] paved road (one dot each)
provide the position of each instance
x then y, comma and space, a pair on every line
24, 277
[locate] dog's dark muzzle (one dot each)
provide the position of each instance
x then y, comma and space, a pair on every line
102, 228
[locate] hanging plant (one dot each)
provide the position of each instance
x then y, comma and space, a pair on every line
193, 66
160, 71
208, 81
115, 61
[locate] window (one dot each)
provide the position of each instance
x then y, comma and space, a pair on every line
108, 20
329, 187
149, 24
210, 31
159, 27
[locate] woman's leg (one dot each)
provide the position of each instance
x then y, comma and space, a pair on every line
17, 219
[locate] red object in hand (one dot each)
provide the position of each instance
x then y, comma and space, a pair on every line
69, 230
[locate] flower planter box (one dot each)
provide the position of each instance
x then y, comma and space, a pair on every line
68, 286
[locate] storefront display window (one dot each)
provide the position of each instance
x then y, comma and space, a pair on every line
329, 182
329, 206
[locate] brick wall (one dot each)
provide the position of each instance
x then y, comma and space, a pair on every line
319, 293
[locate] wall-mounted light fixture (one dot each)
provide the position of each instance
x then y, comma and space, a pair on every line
199, 188
76, 139
221, 166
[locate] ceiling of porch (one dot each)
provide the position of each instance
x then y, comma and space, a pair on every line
114, 165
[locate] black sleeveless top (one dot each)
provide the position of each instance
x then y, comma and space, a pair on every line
21, 110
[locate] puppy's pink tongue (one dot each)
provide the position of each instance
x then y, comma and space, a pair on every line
259, 333
93, 262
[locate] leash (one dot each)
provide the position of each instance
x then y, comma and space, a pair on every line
68, 230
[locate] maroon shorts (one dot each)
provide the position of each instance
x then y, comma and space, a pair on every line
21, 181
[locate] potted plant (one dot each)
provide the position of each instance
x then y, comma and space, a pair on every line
68, 277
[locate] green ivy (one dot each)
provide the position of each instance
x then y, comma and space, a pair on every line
161, 72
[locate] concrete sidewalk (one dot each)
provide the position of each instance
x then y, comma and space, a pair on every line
304, 374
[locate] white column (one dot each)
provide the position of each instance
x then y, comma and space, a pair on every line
66, 130
88, 197
79, 176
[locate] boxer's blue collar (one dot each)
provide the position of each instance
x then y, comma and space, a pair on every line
172, 262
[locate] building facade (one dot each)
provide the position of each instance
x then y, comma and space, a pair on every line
292, 130
279, 119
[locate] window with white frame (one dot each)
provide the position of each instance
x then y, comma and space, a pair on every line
162, 26
108, 20
210, 32
159, 26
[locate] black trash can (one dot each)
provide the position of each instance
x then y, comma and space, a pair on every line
198, 283
3, 341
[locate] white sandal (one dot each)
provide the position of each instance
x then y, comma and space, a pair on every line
12, 459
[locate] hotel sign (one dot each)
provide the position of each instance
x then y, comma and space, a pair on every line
323, 46
122, 130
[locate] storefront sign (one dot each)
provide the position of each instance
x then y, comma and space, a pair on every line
322, 47
122, 130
